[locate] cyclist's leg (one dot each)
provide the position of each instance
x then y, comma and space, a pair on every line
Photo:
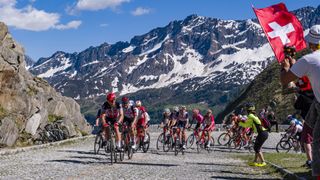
118, 135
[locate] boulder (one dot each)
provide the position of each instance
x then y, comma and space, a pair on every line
28, 101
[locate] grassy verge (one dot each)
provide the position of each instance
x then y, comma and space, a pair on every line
266, 169
291, 162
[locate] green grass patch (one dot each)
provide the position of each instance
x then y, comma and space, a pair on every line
53, 118
289, 161
3, 112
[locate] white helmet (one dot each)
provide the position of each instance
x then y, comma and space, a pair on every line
176, 109
166, 110
292, 122
138, 103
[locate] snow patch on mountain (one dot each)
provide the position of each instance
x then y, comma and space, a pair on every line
90, 63
155, 47
64, 64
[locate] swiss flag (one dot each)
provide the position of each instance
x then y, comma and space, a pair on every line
281, 28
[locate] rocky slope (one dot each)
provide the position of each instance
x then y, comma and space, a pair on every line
26, 101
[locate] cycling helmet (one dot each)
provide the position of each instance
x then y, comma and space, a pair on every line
176, 109
209, 111
183, 107
138, 103
125, 100
250, 107
166, 110
292, 122
111, 97
289, 117
195, 111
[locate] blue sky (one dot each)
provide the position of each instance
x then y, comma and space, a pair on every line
46, 26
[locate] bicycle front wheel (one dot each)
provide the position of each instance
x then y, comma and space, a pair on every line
190, 141
224, 139
97, 144
160, 141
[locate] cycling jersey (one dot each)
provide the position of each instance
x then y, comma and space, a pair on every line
198, 118
141, 116
209, 122
297, 122
183, 116
130, 112
111, 113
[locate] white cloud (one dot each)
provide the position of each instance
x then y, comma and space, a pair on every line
93, 5
70, 25
30, 18
104, 25
140, 11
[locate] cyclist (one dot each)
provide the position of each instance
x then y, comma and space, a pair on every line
141, 123
209, 125
295, 127
254, 122
130, 118
112, 114
166, 119
98, 118
196, 116
183, 118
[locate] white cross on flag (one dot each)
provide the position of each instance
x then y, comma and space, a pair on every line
281, 28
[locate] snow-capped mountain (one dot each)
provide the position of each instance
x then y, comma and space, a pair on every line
192, 55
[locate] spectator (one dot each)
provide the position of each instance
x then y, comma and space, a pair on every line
308, 65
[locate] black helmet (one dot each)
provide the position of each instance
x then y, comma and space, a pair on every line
250, 106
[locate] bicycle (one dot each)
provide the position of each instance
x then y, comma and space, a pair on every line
98, 142
192, 138
287, 142
110, 145
161, 138
127, 145
168, 142
144, 140
225, 137
177, 142
203, 144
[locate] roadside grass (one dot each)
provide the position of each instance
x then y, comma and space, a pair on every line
266, 169
289, 161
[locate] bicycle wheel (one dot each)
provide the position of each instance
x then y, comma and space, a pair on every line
224, 139
146, 143
190, 141
283, 146
176, 147
160, 141
121, 155
200, 146
97, 143
251, 146
130, 151
211, 145
168, 144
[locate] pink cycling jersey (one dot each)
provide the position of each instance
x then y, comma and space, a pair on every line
199, 118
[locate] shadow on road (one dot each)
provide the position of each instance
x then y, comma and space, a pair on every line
148, 164
79, 152
217, 164
67, 161
239, 178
